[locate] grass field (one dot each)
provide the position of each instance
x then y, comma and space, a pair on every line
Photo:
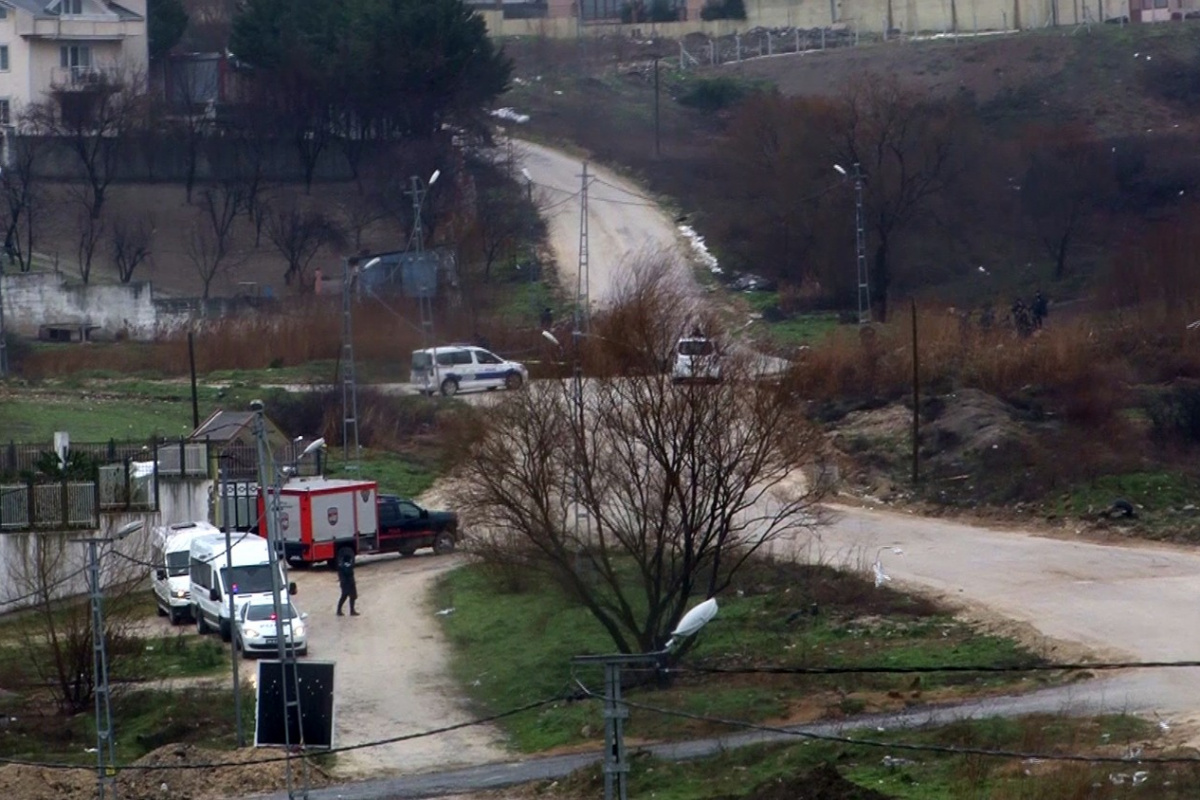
855, 623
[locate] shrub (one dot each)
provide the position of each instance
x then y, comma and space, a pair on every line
714, 94
1174, 413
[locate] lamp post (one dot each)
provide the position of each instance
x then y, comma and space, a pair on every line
860, 243
418, 193
616, 768
106, 761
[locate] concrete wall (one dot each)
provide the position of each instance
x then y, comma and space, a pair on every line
130, 309
179, 501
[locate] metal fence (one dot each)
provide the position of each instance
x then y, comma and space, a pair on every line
180, 458
697, 51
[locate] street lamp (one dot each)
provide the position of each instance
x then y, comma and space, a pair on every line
860, 243
106, 759
616, 768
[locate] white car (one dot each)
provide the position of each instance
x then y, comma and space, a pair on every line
697, 360
464, 368
255, 630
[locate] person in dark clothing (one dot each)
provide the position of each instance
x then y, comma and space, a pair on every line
1040, 309
345, 570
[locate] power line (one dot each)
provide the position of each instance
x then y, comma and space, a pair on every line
44, 589
60, 765
884, 670
912, 746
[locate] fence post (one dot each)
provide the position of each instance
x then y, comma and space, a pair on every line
769, 51
31, 506
96, 497
737, 46
682, 58
156, 495
822, 38
128, 484
66, 515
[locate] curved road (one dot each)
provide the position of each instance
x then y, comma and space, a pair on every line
1137, 602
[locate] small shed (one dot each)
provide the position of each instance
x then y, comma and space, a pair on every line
230, 435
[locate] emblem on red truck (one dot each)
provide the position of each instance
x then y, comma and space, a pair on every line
283, 520
332, 516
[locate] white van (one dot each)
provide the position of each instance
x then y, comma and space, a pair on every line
697, 360
169, 577
464, 368
246, 574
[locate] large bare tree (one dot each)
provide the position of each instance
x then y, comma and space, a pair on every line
298, 235
23, 193
680, 484
907, 146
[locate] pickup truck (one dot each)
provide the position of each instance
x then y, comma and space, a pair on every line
405, 527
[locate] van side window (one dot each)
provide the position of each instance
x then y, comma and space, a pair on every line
461, 357
484, 357
447, 359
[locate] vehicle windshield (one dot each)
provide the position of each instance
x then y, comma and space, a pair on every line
177, 563
421, 361
247, 580
695, 347
262, 611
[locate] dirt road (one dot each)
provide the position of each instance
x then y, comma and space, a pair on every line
624, 225
391, 668
1136, 602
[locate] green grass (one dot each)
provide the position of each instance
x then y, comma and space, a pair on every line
916, 775
93, 419
751, 629
1149, 491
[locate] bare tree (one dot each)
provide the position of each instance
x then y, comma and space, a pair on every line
209, 243
298, 236
90, 229
906, 146
93, 115
22, 196
57, 638
680, 484
129, 244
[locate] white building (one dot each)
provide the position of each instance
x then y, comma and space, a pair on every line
64, 47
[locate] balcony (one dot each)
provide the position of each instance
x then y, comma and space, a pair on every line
81, 79
95, 28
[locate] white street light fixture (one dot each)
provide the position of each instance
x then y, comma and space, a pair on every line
550, 337
693, 621
525, 174
370, 263
433, 178
840, 169
317, 444
126, 529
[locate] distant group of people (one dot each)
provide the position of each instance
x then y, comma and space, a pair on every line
1029, 317
1025, 317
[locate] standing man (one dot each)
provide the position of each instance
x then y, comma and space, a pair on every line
345, 570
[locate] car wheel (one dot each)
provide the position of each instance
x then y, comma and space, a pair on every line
443, 543
449, 387
201, 625
226, 634
245, 653
176, 616
161, 612
513, 381
408, 551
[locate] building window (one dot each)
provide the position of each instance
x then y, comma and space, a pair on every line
70, 8
5, 112
3, 12
3, 58
75, 56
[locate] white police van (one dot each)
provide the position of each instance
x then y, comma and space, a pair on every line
169, 577
464, 368
246, 574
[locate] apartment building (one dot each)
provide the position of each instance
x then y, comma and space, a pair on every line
64, 48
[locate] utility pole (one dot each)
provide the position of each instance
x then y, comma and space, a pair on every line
289, 681
106, 758
349, 383
583, 280
860, 250
424, 294
225, 524
582, 307
657, 148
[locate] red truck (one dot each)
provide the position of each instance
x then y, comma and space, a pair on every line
323, 519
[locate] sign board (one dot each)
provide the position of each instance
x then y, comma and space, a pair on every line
315, 682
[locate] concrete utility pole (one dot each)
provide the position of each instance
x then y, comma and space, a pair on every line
860, 249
